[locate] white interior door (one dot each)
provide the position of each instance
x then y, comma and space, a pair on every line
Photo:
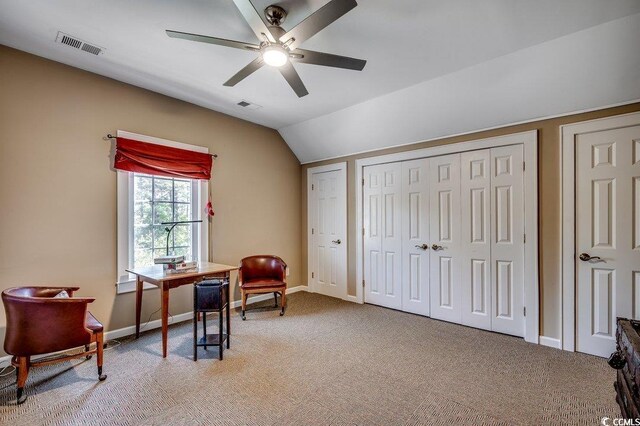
328, 233
608, 230
382, 240
445, 256
415, 236
507, 239
475, 202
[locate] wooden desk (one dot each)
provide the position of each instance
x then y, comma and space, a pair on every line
166, 281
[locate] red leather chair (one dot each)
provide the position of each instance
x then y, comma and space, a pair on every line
262, 274
39, 323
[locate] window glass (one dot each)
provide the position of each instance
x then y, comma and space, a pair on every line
159, 199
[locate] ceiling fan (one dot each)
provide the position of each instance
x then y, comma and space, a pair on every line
279, 48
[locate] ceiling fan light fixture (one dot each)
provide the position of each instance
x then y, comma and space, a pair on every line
275, 55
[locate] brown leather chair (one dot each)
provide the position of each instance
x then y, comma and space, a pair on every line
38, 323
262, 274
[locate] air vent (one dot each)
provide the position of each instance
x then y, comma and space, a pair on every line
76, 43
248, 105
71, 41
91, 49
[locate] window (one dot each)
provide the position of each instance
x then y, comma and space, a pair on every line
144, 203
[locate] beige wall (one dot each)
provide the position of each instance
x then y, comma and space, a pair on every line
549, 202
58, 195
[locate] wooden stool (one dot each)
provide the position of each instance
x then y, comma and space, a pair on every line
211, 296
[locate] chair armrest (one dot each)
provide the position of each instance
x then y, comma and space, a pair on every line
71, 290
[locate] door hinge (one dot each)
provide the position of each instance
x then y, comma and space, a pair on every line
524, 238
362, 283
313, 275
362, 181
363, 232
524, 311
312, 231
524, 166
312, 187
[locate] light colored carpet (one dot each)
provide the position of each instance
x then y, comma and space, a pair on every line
326, 362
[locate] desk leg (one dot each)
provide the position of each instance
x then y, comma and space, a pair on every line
165, 319
228, 317
138, 304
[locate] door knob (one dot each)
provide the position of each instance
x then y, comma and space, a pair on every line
585, 257
437, 247
423, 246
336, 241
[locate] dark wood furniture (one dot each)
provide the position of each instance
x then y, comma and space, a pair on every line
39, 323
262, 274
211, 296
626, 360
166, 281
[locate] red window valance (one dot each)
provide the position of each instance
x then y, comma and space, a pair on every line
153, 159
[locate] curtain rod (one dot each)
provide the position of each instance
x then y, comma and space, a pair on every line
110, 136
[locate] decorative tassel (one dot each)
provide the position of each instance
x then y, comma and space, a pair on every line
209, 209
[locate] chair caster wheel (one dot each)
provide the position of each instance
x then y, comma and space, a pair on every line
244, 318
281, 313
88, 357
102, 377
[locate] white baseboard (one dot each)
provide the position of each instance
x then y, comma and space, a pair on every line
128, 331
551, 342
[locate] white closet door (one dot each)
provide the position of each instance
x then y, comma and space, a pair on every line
415, 236
382, 240
475, 183
607, 226
329, 248
445, 259
507, 239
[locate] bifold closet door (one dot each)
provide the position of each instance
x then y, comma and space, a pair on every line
444, 230
415, 236
475, 183
507, 239
382, 240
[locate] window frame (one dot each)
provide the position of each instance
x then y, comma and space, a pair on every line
125, 282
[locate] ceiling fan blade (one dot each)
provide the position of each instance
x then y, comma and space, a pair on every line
253, 66
329, 60
291, 75
254, 20
213, 40
317, 21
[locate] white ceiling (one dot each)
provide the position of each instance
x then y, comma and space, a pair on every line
415, 49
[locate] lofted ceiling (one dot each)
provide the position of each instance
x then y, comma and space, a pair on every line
414, 48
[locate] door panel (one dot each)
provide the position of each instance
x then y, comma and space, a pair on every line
507, 244
329, 234
607, 212
382, 240
446, 260
373, 236
415, 233
475, 184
